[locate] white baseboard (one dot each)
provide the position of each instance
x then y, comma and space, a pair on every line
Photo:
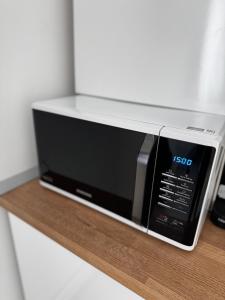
18, 179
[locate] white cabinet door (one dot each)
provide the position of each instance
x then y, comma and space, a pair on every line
10, 284
44, 265
50, 272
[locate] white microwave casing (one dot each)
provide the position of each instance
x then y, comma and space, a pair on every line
190, 126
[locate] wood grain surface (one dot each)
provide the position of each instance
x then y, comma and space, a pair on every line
149, 267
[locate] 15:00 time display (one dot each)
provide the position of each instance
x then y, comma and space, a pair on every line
182, 160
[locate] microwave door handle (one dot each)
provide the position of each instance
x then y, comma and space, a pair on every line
141, 171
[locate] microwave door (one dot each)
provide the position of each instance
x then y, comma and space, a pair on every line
93, 161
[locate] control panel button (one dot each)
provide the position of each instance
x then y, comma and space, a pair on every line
164, 205
169, 175
181, 199
177, 223
165, 190
167, 186
162, 218
181, 206
165, 200
167, 183
180, 210
166, 194
183, 194
184, 188
169, 179
186, 185
185, 179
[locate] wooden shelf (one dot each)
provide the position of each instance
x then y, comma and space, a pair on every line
151, 268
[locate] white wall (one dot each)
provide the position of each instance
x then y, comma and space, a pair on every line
169, 53
36, 62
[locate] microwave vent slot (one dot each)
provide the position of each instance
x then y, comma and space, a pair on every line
196, 128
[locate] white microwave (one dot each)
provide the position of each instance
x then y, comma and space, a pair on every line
156, 169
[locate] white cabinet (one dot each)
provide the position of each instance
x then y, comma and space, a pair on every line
50, 272
10, 284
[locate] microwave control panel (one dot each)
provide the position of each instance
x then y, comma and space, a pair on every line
181, 177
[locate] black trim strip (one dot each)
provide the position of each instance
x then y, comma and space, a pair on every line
118, 205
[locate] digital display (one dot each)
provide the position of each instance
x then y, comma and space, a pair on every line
185, 161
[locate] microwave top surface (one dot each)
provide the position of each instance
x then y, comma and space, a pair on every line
139, 117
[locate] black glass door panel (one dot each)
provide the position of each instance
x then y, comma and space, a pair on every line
181, 176
95, 161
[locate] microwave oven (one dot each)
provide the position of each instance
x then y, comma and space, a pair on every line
156, 169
